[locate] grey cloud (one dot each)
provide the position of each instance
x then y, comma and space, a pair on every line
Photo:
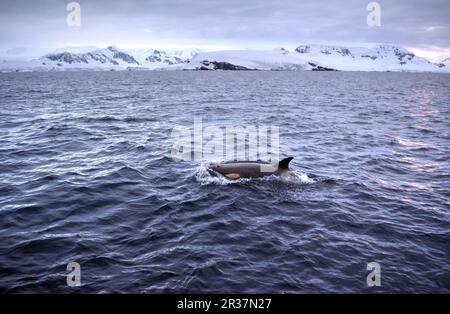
234, 23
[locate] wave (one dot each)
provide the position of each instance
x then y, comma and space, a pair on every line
205, 178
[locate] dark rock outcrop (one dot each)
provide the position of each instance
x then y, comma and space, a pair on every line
303, 49
67, 57
215, 65
316, 67
122, 56
371, 57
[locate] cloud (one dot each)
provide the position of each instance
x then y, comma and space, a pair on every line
220, 23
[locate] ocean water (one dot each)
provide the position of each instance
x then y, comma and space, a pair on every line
87, 176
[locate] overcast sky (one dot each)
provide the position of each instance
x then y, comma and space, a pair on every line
422, 25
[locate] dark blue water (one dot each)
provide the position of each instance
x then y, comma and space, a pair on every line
86, 175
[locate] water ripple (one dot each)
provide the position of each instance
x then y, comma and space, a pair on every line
86, 176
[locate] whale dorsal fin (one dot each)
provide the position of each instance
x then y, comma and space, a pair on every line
284, 164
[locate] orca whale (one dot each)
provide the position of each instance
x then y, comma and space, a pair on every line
241, 170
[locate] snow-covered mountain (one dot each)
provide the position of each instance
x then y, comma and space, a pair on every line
304, 57
377, 58
93, 58
108, 57
317, 58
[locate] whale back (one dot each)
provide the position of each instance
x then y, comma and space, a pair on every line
236, 170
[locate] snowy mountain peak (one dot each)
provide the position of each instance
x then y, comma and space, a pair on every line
403, 55
159, 56
120, 55
376, 58
109, 56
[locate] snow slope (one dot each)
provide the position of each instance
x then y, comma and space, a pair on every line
279, 59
